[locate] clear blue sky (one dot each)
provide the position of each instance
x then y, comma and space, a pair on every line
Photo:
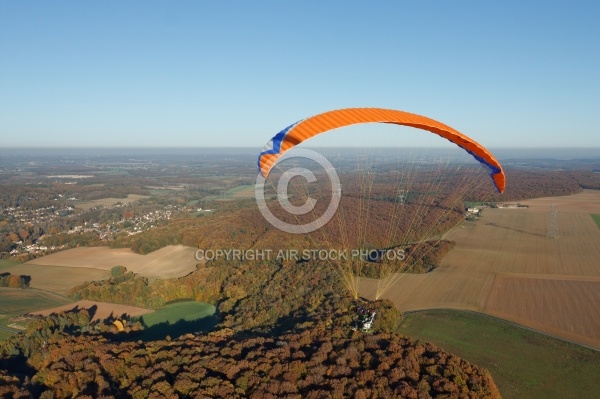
233, 73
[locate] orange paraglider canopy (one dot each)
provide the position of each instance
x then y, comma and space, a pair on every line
307, 128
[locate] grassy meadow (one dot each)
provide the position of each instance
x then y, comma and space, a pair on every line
524, 363
16, 301
239, 192
178, 311
6, 263
596, 218
179, 318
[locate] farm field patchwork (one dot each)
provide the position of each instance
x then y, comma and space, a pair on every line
57, 279
506, 256
108, 201
50, 272
544, 304
524, 364
16, 301
245, 191
239, 192
168, 262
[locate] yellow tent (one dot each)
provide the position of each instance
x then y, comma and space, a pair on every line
119, 325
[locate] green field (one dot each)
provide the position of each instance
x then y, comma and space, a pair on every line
17, 301
244, 191
524, 364
175, 312
3, 333
596, 218
7, 263
470, 204
239, 192
202, 214
159, 193
179, 318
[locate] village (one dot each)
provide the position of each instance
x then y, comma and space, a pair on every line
32, 227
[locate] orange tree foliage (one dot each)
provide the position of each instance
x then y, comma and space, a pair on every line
418, 258
239, 224
74, 240
316, 362
251, 296
14, 281
132, 289
44, 330
587, 179
254, 297
525, 184
285, 331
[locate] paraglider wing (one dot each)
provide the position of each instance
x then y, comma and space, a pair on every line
307, 128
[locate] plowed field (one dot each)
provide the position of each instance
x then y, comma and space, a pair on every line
63, 270
505, 265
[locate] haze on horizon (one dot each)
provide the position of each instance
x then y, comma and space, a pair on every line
198, 74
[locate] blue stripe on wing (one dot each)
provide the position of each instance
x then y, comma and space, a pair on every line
274, 145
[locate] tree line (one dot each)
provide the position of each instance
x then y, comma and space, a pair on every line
14, 280
315, 363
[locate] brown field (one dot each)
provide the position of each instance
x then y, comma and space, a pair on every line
505, 265
108, 201
57, 279
63, 270
242, 192
17, 300
543, 303
102, 309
